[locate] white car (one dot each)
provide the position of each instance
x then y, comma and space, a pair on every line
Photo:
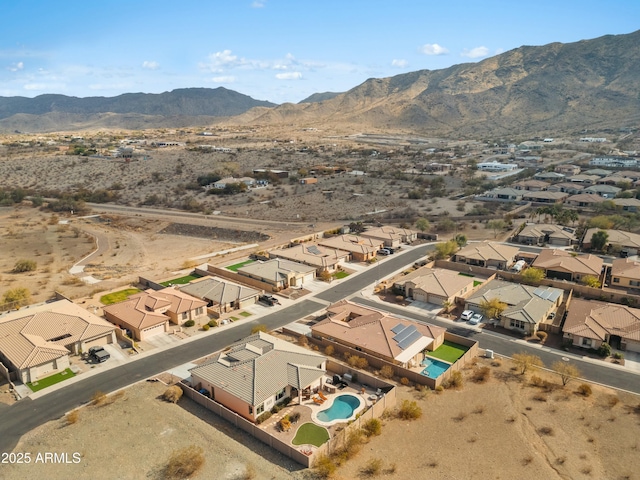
466, 315
476, 319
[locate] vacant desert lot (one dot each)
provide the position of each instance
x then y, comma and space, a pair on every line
502, 429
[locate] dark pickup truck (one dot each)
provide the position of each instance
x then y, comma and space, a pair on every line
99, 354
269, 300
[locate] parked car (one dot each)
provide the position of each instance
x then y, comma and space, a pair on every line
384, 251
466, 315
99, 354
269, 300
476, 319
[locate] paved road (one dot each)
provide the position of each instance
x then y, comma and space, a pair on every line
504, 345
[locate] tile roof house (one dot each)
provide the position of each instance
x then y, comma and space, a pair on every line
317, 256
545, 197
360, 248
562, 265
279, 272
585, 200
486, 254
584, 179
527, 306
36, 341
437, 286
567, 169
605, 191
540, 234
549, 176
625, 273
502, 194
627, 204
567, 187
183, 306
258, 372
590, 323
391, 236
617, 238
531, 185
142, 315
378, 333
221, 294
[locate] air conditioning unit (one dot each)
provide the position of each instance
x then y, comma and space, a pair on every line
488, 353
348, 377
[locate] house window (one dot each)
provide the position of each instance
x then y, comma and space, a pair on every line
586, 342
199, 311
517, 324
184, 315
280, 394
634, 283
250, 410
260, 409
616, 280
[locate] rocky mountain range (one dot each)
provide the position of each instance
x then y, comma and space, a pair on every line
588, 84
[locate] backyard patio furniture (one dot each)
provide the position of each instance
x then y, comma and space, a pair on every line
322, 396
318, 401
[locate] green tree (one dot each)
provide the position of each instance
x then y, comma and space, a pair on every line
445, 249
422, 224
259, 328
497, 226
599, 240
601, 221
446, 225
461, 240
532, 275
493, 307
591, 281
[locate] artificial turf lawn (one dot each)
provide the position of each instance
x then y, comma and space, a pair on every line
234, 268
116, 297
180, 281
449, 351
244, 314
311, 434
52, 380
340, 274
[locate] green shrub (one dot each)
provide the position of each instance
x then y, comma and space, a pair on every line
205, 327
189, 323
212, 323
263, 417
294, 417
618, 356
24, 266
604, 350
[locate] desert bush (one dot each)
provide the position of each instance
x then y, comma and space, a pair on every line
386, 371
18, 296
259, 328
284, 424
409, 410
358, 362
613, 401
172, 394
24, 265
206, 327
303, 340
189, 323
265, 416
618, 355
404, 381
454, 381
479, 410
439, 389
524, 361
98, 398
294, 417
481, 375
542, 336
460, 417
536, 381
212, 323
72, 417
584, 389
325, 466
184, 463
329, 350
540, 397
373, 467
372, 427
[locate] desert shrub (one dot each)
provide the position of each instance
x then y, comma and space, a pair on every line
358, 362
542, 336
525, 361
259, 328
206, 327
613, 401
618, 355
265, 416
540, 397
172, 394
189, 323
409, 410
23, 265
481, 375
184, 463
294, 417
439, 389
329, 350
604, 350
585, 390
372, 468
284, 424
72, 417
454, 381
325, 467
372, 427
386, 371
303, 340
536, 381
98, 398
404, 381
212, 323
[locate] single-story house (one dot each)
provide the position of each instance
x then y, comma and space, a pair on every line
549, 176
545, 197
617, 238
562, 265
317, 256
391, 236
437, 286
258, 372
223, 182
589, 323
142, 315
627, 204
378, 333
360, 248
625, 273
567, 169
36, 341
486, 254
567, 187
183, 306
279, 272
502, 194
599, 172
541, 234
584, 179
222, 294
585, 200
527, 306
605, 191
614, 180
531, 185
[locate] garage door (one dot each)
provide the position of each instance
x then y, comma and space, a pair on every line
97, 342
150, 332
308, 277
633, 347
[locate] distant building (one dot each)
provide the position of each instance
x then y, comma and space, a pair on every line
496, 167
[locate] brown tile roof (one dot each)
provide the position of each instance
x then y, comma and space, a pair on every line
180, 302
134, 311
616, 237
488, 251
554, 259
38, 334
591, 319
352, 243
311, 254
441, 282
625, 267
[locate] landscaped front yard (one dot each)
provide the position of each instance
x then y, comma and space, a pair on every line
449, 351
180, 280
119, 296
51, 380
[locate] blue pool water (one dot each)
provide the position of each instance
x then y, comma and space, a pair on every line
434, 368
342, 408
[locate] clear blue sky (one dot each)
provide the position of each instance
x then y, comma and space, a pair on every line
276, 50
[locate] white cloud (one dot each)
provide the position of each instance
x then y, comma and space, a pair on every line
48, 87
224, 79
289, 76
433, 49
475, 52
225, 59
16, 67
399, 63
258, 4
150, 65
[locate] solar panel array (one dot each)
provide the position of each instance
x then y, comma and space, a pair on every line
406, 336
551, 295
398, 328
313, 250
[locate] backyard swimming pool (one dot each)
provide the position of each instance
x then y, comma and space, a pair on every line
343, 408
433, 368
